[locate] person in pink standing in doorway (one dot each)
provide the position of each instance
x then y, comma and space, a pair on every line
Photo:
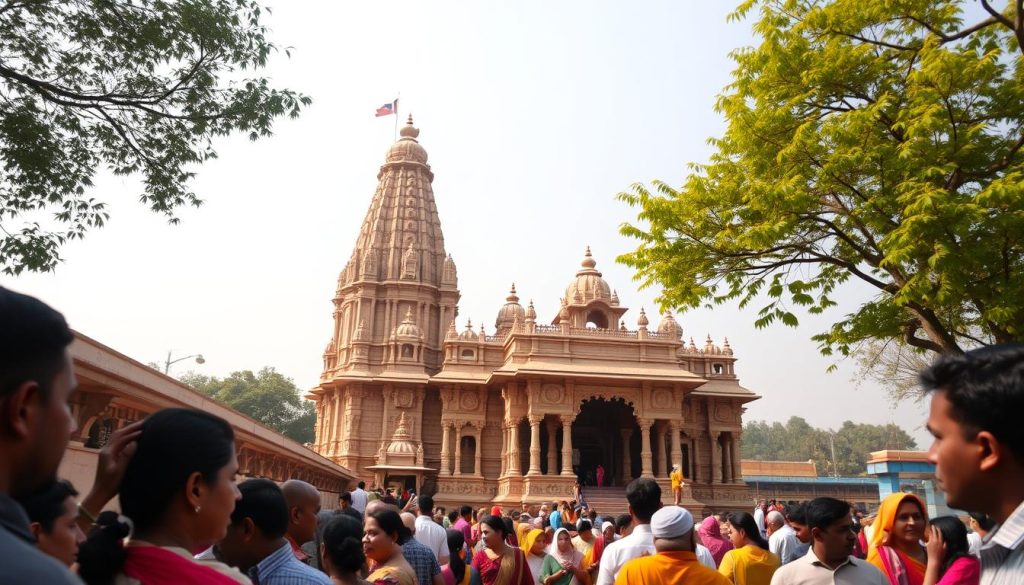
600, 475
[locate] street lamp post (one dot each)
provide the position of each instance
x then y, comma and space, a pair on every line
167, 364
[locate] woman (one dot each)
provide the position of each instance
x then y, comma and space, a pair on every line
499, 563
535, 550
342, 550
949, 559
384, 535
749, 562
710, 533
475, 529
457, 572
895, 543
177, 494
564, 564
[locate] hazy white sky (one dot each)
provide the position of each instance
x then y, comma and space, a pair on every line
535, 114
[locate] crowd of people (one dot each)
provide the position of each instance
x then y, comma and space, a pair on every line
184, 517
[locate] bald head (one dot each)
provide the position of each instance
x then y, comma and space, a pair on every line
377, 505
303, 506
410, 521
775, 520
298, 492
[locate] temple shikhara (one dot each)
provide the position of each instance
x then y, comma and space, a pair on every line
518, 412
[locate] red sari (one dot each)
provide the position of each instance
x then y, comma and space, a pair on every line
507, 569
154, 565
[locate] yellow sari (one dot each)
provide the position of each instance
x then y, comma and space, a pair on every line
899, 568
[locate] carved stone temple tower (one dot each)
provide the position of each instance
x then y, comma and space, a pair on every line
407, 400
394, 302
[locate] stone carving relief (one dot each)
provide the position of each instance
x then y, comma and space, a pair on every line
552, 393
404, 398
662, 398
723, 412
469, 400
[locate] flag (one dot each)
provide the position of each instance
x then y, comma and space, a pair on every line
388, 109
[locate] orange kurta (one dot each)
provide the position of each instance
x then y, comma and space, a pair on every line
668, 567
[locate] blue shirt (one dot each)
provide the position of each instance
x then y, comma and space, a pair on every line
555, 519
422, 560
282, 568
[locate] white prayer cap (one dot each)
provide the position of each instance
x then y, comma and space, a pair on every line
671, 521
606, 526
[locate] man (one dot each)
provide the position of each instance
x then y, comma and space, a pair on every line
623, 526
676, 477
303, 506
53, 513
829, 561
759, 517
980, 525
465, 525
644, 497
978, 447
675, 561
782, 539
419, 557
36, 382
346, 507
797, 520
359, 498
255, 541
430, 533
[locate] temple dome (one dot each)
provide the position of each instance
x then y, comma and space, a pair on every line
510, 311
588, 284
468, 334
670, 326
407, 148
401, 443
408, 329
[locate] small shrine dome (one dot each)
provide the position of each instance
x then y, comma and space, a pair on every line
401, 444
588, 284
510, 311
408, 329
468, 334
407, 148
669, 326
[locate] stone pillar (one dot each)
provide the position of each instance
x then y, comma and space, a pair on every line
737, 471
458, 451
504, 450
727, 460
716, 459
677, 449
659, 453
535, 421
552, 428
445, 453
645, 448
513, 448
567, 421
627, 465
477, 469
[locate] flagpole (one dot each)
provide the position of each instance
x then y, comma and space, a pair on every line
397, 99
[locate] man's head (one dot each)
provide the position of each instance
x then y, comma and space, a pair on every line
672, 528
774, 521
831, 529
303, 504
797, 519
53, 513
257, 525
36, 381
466, 512
623, 524
981, 523
978, 450
424, 505
644, 497
410, 521
585, 530
345, 500
361, 485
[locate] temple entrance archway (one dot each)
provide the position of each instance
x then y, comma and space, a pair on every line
605, 432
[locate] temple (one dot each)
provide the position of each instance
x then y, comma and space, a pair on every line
518, 413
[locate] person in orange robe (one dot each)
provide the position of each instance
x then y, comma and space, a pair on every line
675, 560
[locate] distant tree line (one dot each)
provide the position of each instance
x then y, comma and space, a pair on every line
797, 440
267, 396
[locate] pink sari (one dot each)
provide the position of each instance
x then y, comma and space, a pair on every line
153, 565
507, 569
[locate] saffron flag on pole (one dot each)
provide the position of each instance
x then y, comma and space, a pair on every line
388, 109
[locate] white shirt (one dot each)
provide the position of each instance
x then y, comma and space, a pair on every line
432, 536
1002, 554
637, 544
808, 570
974, 544
359, 500
759, 520
784, 544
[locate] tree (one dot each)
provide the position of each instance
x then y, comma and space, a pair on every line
266, 396
877, 142
141, 87
799, 441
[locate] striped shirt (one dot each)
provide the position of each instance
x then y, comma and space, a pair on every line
422, 561
282, 568
1002, 555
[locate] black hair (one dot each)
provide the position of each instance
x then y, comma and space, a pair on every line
343, 543
983, 388
465, 510
262, 502
954, 535
32, 342
644, 497
46, 505
984, 521
592, 514
745, 522
174, 444
101, 556
361, 485
391, 523
821, 513
796, 513
622, 521
345, 497
426, 504
453, 516
496, 524
510, 527
584, 525
456, 563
